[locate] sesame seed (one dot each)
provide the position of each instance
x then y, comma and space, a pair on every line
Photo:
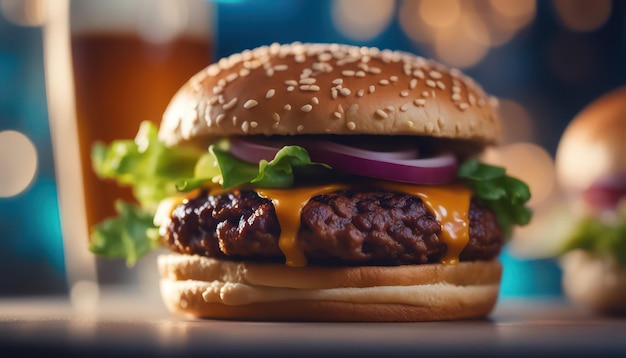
345, 92
333, 93
306, 73
300, 58
291, 83
337, 115
232, 77
220, 118
280, 68
419, 74
383, 82
348, 73
456, 97
270, 93
308, 81
250, 104
431, 83
221, 99
390, 108
218, 89
213, 100
234, 121
441, 85
463, 106
472, 99
290, 88
371, 89
425, 94
430, 127
231, 104
360, 93
244, 72
420, 102
213, 70
456, 89
413, 83
393, 78
287, 107
351, 125
340, 108
405, 107
300, 128
404, 93
276, 117
325, 56
382, 114
314, 100
221, 82
434, 74
306, 108
338, 81
375, 70
253, 124
310, 88
360, 74
245, 126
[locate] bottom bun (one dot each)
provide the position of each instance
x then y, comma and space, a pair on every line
598, 283
212, 288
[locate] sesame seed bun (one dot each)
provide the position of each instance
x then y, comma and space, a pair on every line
593, 146
595, 282
329, 88
211, 288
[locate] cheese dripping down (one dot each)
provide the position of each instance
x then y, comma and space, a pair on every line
448, 203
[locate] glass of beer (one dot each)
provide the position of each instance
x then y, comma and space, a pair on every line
110, 65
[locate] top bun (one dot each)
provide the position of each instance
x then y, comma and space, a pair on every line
594, 144
329, 88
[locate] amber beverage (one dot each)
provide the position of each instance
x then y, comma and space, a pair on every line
121, 80
110, 65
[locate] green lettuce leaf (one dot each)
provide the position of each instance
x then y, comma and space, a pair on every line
602, 238
505, 195
130, 236
155, 172
145, 164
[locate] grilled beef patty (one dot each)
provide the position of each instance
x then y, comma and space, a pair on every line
346, 228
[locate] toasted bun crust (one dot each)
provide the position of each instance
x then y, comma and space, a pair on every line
597, 283
211, 288
329, 88
593, 145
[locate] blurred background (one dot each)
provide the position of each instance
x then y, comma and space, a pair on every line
545, 60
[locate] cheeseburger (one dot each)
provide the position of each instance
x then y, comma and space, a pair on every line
318, 182
591, 164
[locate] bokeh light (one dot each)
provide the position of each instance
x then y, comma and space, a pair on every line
464, 43
439, 13
24, 12
362, 19
460, 33
18, 160
410, 22
582, 15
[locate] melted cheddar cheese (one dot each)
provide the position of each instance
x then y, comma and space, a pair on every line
449, 204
